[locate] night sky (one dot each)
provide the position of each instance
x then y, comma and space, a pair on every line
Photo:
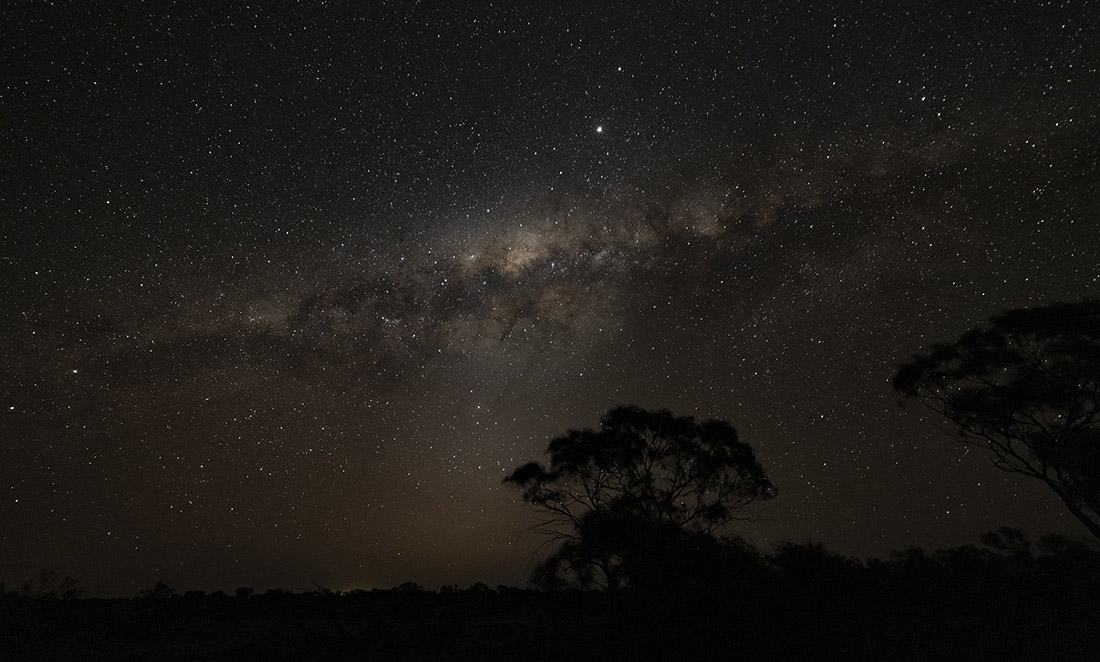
287, 289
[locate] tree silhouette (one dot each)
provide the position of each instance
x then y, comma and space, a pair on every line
1026, 387
159, 591
644, 489
49, 585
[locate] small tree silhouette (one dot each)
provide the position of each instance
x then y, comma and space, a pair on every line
640, 492
244, 591
49, 585
158, 591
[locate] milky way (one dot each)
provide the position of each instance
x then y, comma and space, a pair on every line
287, 293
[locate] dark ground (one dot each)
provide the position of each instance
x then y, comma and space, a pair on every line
785, 621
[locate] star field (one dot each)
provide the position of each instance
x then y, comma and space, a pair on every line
288, 290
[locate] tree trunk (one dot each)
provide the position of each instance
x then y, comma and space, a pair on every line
1076, 511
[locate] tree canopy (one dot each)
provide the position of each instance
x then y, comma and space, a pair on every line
645, 483
1026, 387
